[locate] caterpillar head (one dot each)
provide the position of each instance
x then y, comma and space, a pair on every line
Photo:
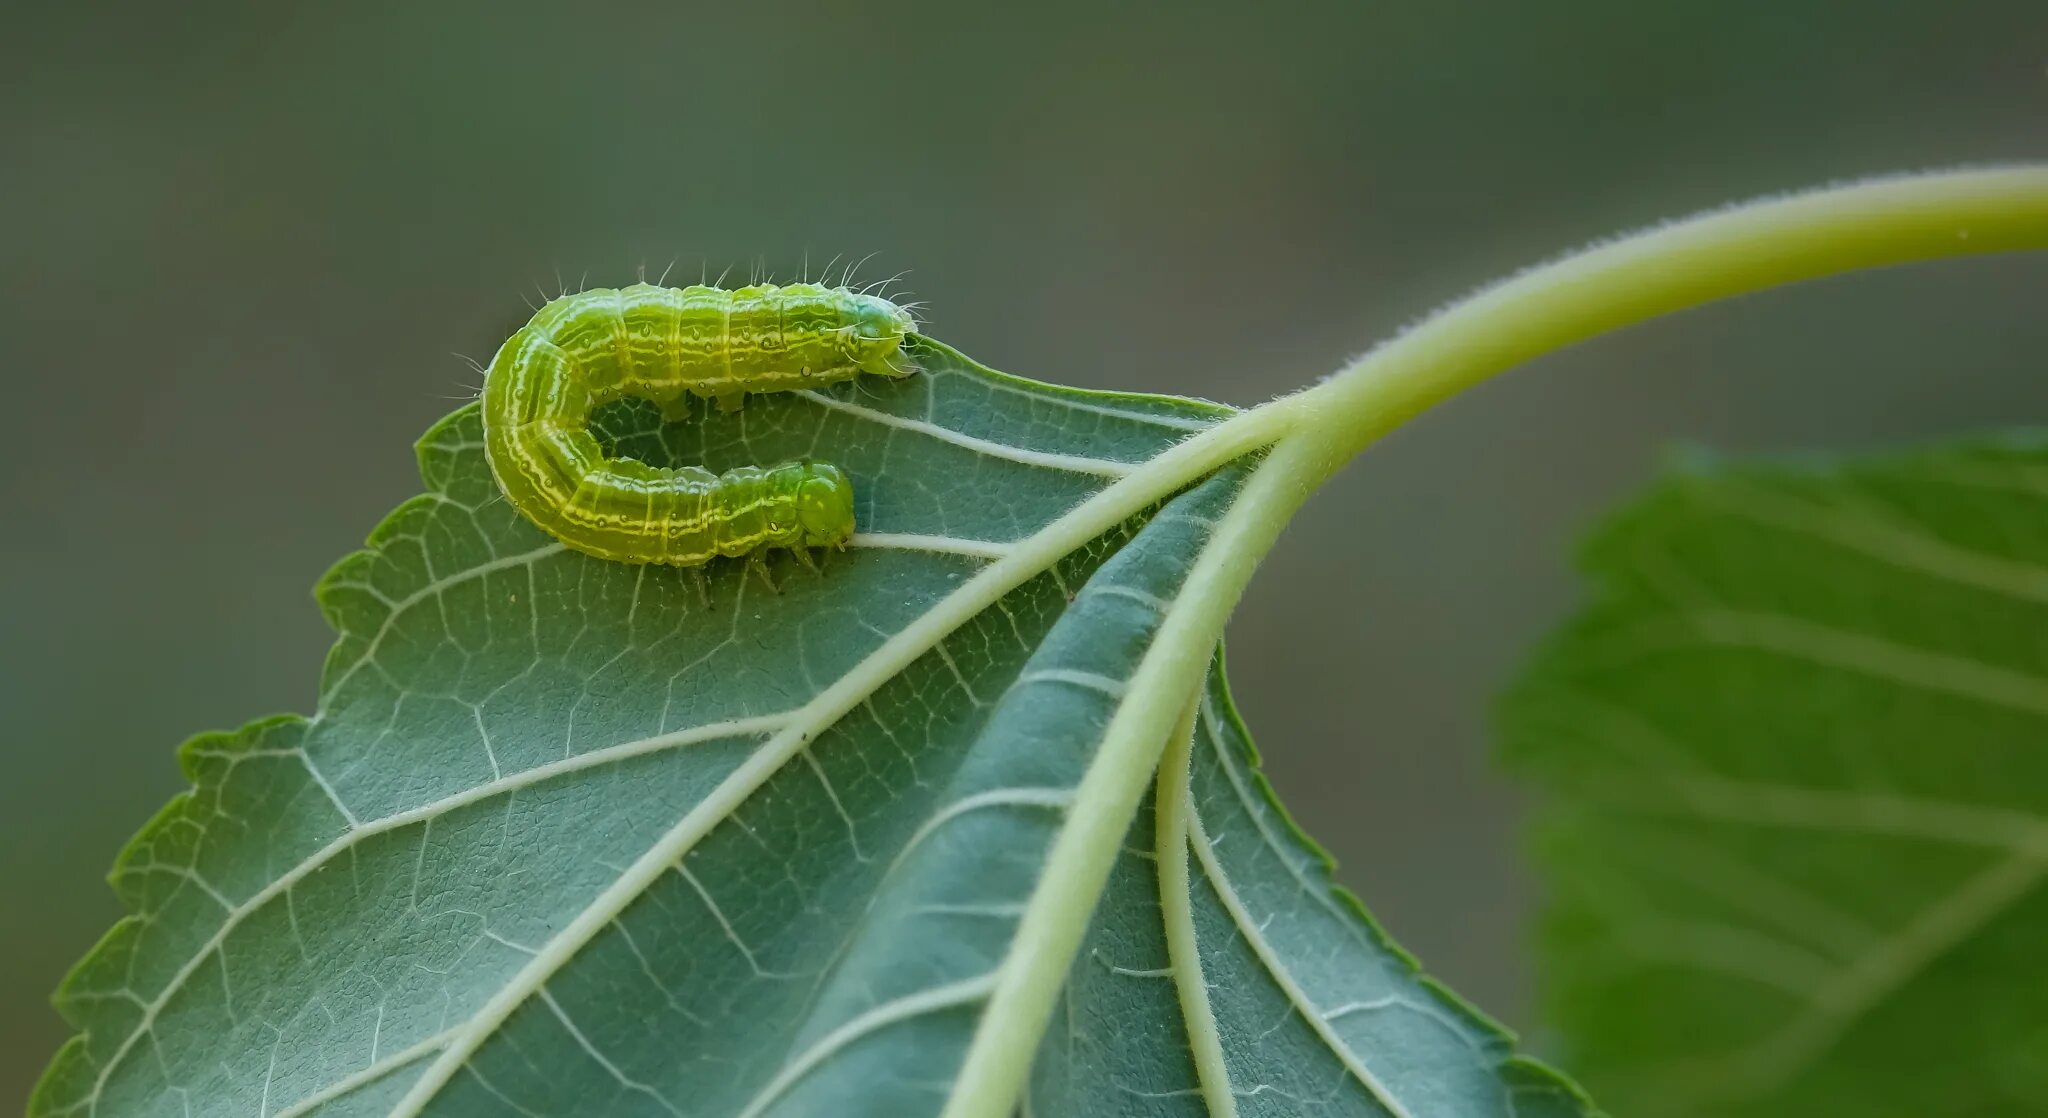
824, 505
877, 328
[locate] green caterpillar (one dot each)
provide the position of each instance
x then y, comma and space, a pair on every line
586, 350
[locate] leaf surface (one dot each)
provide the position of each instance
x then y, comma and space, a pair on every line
570, 837
1798, 749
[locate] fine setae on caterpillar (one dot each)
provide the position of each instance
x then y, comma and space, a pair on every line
663, 344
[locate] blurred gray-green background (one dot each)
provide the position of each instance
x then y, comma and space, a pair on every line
243, 246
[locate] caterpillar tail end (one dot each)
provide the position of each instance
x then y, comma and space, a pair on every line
895, 366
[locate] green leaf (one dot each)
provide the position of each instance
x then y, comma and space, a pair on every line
1798, 749
569, 837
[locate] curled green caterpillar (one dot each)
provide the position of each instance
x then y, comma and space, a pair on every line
664, 344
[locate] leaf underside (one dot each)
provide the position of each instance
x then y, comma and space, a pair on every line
1798, 753
444, 875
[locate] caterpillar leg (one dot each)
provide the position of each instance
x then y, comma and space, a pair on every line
731, 401
703, 582
757, 562
803, 555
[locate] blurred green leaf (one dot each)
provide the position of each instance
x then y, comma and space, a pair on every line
566, 838
1798, 749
